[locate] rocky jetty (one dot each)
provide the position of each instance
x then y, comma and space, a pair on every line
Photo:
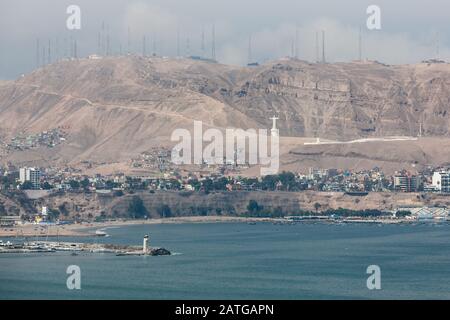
73, 247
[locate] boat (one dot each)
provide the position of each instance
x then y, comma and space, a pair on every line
100, 233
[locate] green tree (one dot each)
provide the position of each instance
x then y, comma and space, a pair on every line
288, 180
136, 208
254, 208
317, 206
269, 182
74, 184
110, 184
208, 185
85, 183
164, 211
195, 184
277, 212
402, 213
221, 184
118, 193
27, 185
53, 214
63, 209
174, 184
10, 181
47, 186
2, 209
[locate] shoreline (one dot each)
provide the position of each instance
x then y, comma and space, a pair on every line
88, 229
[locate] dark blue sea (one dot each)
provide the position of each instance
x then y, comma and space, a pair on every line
243, 261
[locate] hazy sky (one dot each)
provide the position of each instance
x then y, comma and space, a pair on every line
410, 29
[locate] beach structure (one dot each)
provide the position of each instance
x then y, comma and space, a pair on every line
423, 213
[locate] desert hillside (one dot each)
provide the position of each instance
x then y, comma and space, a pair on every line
115, 108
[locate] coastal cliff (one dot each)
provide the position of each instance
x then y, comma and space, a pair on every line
177, 204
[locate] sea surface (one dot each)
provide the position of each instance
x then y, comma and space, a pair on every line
243, 261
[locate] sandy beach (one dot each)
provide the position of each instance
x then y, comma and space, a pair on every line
89, 228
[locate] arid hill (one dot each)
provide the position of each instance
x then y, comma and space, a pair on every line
117, 107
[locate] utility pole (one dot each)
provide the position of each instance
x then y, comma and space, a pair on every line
213, 49
108, 42
317, 47
129, 40
203, 42
437, 46
249, 50
292, 55
65, 48
188, 47
144, 44
323, 47
71, 47
38, 58
99, 43
57, 50
178, 40
49, 52
360, 45
103, 46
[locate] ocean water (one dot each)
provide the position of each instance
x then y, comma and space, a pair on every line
242, 261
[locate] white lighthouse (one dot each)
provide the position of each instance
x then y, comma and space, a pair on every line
274, 131
145, 247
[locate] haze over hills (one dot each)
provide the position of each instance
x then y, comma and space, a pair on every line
117, 107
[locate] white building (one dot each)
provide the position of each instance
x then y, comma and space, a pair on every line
441, 181
30, 174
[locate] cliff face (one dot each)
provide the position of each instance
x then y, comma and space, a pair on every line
235, 203
88, 206
116, 108
350, 100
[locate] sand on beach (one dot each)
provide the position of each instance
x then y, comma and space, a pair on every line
89, 228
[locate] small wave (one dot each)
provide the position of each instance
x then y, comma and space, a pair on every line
112, 227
